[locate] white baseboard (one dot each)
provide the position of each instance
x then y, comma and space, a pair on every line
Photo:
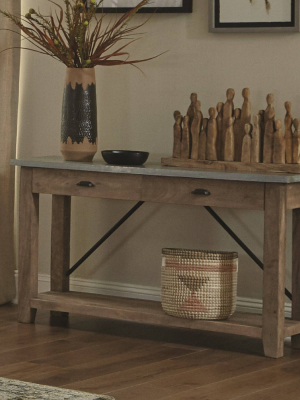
244, 304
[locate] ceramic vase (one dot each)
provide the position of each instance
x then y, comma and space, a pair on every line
79, 115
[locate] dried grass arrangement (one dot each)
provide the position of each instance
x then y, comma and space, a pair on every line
76, 36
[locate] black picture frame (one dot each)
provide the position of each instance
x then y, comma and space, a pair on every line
187, 7
216, 26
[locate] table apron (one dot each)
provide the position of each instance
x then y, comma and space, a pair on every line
155, 189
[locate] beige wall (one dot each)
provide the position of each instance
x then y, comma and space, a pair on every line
135, 112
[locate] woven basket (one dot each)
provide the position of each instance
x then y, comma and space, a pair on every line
199, 284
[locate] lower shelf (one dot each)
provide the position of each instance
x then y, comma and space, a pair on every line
150, 312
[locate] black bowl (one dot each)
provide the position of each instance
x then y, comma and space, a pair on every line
125, 157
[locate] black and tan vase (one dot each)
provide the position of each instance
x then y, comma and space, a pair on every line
79, 115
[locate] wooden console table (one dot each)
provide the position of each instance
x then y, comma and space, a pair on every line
274, 193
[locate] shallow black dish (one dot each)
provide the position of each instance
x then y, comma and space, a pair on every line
125, 157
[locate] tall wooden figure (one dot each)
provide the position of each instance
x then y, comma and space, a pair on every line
220, 107
192, 108
296, 142
256, 140
239, 134
203, 140
195, 131
177, 134
279, 144
246, 150
227, 114
269, 119
262, 129
288, 123
211, 148
246, 109
229, 142
185, 143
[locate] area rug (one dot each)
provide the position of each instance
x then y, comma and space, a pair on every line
17, 390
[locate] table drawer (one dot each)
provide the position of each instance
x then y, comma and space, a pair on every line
217, 193
87, 184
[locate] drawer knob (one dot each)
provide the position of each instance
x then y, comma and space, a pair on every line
85, 184
201, 192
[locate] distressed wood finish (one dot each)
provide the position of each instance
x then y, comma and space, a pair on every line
149, 312
274, 198
246, 108
212, 133
228, 110
185, 142
269, 129
274, 270
231, 166
247, 145
219, 119
203, 140
192, 107
296, 273
256, 140
60, 243
288, 123
245, 195
296, 142
28, 246
177, 134
279, 144
107, 186
195, 131
229, 142
239, 134
293, 196
262, 128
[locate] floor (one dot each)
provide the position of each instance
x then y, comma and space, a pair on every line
137, 362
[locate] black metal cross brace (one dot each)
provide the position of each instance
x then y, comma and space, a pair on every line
105, 237
137, 206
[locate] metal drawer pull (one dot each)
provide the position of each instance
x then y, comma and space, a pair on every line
201, 192
85, 184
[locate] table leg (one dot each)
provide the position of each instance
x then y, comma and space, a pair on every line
60, 245
296, 274
28, 247
274, 270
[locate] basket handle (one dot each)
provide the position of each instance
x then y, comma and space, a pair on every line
201, 192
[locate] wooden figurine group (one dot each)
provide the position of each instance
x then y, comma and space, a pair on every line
228, 135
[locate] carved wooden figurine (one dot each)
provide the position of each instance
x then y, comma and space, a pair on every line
246, 149
262, 127
229, 142
202, 140
177, 134
220, 107
288, 122
279, 144
227, 113
239, 134
246, 109
269, 118
185, 143
192, 108
256, 140
211, 148
195, 131
296, 142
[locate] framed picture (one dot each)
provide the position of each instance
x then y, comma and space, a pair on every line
254, 16
159, 6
